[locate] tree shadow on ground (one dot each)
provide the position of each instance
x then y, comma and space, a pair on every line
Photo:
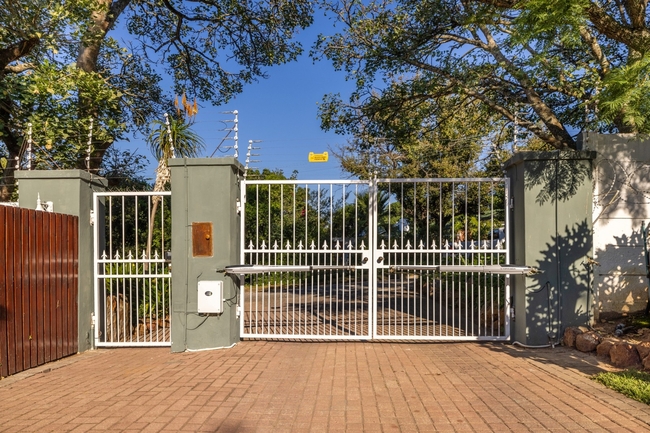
569, 358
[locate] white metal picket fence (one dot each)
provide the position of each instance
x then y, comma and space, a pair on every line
132, 268
414, 259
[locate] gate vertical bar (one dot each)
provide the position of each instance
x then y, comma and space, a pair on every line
508, 243
374, 256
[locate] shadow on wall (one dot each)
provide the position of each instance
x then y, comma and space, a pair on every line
560, 295
622, 286
623, 189
559, 178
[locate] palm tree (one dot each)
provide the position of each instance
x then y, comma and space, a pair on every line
169, 139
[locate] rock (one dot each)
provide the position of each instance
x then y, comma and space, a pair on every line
643, 349
646, 363
587, 341
604, 348
570, 334
624, 355
645, 334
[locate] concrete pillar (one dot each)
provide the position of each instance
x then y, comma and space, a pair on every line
551, 229
205, 238
71, 192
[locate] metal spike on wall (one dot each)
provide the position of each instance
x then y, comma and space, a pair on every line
234, 129
29, 147
169, 135
90, 142
249, 154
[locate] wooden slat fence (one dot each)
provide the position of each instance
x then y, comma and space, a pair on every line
38, 288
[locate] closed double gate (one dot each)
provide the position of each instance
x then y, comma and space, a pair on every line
407, 259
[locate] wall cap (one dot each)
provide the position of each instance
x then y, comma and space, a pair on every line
553, 155
62, 174
194, 162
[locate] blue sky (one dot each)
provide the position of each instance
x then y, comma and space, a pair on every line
281, 111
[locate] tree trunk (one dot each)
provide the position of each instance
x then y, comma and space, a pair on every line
13, 145
162, 178
103, 21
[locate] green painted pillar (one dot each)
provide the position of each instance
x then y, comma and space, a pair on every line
551, 229
205, 238
71, 193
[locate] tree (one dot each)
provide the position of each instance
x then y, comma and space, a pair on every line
123, 169
31, 35
553, 67
171, 138
210, 50
451, 143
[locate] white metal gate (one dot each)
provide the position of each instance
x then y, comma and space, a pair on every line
416, 259
132, 268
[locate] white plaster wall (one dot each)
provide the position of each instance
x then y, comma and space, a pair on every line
621, 204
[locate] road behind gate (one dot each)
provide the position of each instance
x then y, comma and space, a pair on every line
260, 386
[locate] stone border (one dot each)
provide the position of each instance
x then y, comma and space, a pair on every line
620, 352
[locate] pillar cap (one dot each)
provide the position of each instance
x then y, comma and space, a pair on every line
553, 155
207, 162
61, 174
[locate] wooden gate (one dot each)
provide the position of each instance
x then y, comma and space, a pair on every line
38, 288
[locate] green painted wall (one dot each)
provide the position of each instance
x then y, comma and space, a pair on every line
204, 191
551, 229
71, 192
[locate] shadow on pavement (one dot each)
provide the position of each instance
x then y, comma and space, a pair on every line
585, 363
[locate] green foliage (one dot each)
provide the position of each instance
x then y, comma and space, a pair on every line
186, 142
148, 297
641, 321
625, 94
555, 67
632, 383
131, 213
123, 169
59, 67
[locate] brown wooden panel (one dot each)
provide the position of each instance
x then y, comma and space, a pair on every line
22, 294
202, 239
55, 240
40, 282
4, 284
68, 318
33, 301
59, 285
38, 288
74, 293
11, 290
48, 241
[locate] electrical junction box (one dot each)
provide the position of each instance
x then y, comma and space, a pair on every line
210, 298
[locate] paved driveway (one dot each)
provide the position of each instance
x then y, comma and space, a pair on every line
262, 386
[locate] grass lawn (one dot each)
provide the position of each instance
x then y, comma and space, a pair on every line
632, 383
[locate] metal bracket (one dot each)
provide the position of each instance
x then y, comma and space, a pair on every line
92, 217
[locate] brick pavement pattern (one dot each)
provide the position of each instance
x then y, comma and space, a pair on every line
261, 386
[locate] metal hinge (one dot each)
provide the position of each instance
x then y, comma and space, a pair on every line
512, 203
92, 217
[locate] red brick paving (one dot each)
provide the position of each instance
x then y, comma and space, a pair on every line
260, 386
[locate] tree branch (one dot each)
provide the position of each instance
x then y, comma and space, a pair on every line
16, 69
17, 50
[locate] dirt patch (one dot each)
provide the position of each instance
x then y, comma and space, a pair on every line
624, 330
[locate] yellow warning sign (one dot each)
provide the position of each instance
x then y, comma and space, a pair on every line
318, 157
